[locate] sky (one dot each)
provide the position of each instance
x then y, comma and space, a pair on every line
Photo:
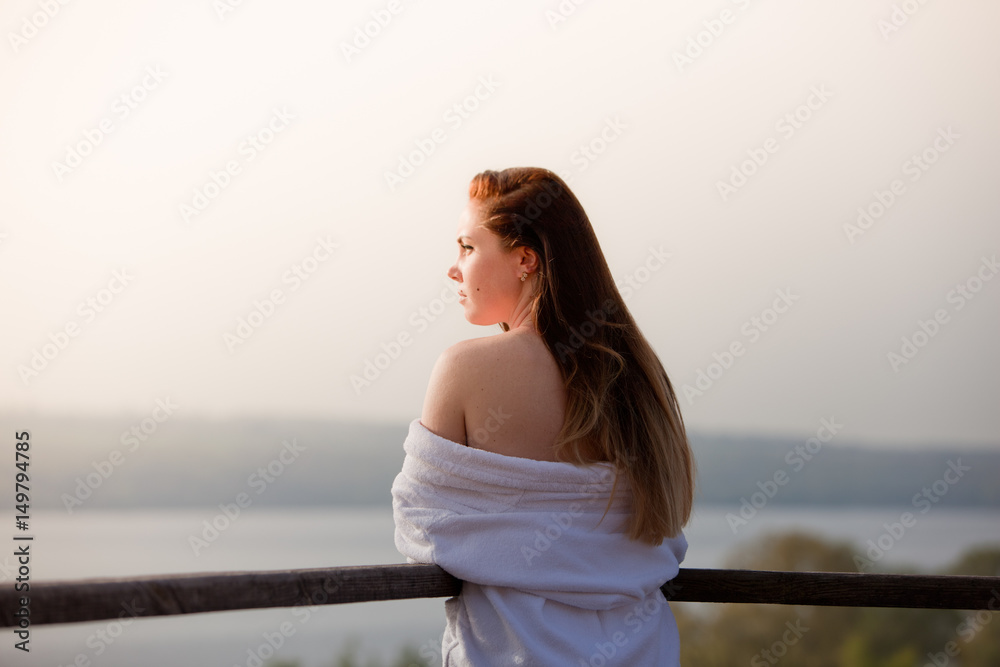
249, 208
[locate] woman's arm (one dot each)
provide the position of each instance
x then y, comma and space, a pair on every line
444, 404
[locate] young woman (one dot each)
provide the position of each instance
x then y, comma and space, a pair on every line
550, 469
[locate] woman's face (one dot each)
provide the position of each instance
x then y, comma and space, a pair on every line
488, 277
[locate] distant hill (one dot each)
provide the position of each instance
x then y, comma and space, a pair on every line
189, 462
731, 468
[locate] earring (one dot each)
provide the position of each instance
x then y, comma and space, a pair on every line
523, 276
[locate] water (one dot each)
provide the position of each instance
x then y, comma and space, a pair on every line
123, 543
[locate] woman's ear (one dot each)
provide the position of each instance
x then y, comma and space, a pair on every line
529, 260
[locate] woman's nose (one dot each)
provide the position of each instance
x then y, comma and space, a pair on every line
453, 273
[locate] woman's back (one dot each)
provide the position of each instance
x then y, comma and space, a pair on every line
515, 396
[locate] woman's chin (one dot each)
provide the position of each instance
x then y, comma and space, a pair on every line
479, 321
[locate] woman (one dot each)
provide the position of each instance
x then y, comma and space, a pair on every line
524, 438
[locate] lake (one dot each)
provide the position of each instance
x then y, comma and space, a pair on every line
128, 543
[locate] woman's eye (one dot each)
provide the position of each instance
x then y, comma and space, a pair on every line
467, 247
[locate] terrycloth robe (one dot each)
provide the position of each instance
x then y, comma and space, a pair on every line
546, 581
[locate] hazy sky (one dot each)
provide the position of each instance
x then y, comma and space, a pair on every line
170, 169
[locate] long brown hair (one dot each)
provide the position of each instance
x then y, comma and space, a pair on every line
619, 398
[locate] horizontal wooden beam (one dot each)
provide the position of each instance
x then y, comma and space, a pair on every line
835, 589
99, 599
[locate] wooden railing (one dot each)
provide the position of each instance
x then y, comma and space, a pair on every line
98, 599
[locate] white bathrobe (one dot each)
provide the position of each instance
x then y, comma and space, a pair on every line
544, 582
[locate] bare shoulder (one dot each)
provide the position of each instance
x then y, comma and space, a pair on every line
515, 398
455, 373
502, 393
443, 412
502, 360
